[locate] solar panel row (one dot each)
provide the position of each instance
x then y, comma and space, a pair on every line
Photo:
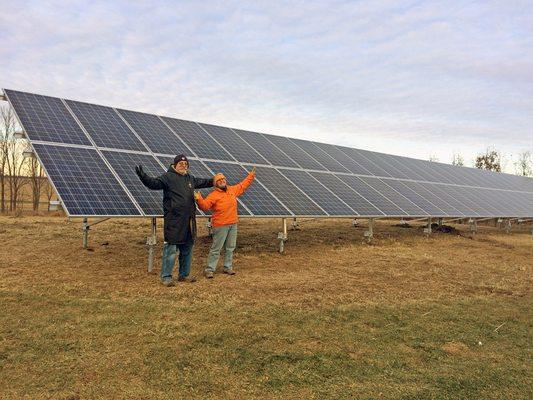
294, 177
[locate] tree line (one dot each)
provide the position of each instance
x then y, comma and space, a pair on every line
22, 179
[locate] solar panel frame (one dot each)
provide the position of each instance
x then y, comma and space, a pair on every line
103, 180
320, 155
319, 193
240, 150
124, 163
378, 200
467, 191
257, 197
42, 125
105, 126
197, 139
156, 135
267, 149
356, 201
299, 156
289, 195
389, 192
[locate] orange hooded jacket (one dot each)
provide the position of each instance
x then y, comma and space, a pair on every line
223, 203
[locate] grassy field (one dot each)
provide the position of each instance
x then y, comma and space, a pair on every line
407, 317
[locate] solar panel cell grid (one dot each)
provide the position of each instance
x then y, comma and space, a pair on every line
320, 155
84, 182
314, 189
46, 119
238, 148
264, 147
199, 141
385, 205
105, 127
88, 187
343, 159
359, 204
287, 193
417, 198
157, 136
150, 201
303, 159
258, 200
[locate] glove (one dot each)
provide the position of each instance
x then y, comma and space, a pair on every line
197, 195
253, 170
139, 171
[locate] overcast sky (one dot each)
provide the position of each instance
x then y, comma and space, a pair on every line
415, 78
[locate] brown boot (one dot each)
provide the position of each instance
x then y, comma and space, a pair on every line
188, 279
229, 271
209, 275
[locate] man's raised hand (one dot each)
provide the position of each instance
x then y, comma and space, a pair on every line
139, 171
197, 195
253, 170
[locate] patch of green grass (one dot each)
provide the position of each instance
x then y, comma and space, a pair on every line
58, 346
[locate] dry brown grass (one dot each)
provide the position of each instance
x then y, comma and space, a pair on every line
333, 317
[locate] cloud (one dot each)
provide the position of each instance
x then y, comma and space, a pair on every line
412, 78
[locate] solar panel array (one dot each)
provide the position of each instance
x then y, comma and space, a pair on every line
90, 152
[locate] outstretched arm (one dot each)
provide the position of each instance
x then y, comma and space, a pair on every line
203, 204
202, 183
243, 185
158, 183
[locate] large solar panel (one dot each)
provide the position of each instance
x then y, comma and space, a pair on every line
256, 198
90, 152
240, 150
319, 193
197, 139
46, 118
291, 196
299, 156
264, 147
157, 136
358, 203
105, 126
83, 181
150, 201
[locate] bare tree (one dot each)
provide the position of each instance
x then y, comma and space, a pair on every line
458, 160
12, 161
524, 164
6, 132
49, 190
37, 180
490, 160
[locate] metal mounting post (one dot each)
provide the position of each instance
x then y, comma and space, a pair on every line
355, 222
151, 241
369, 234
282, 236
427, 230
441, 222
294, 225
473, 225
209, 227
508, 226
85, 228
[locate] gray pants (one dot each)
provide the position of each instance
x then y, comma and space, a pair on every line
223, 236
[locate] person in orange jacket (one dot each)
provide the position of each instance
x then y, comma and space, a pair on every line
223, 203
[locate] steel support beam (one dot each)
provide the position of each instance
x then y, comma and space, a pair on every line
294, 224
472, 222
427, 230
151, 241
369, 234
282, 236
85, 230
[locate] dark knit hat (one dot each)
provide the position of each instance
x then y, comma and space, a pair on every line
180, 157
